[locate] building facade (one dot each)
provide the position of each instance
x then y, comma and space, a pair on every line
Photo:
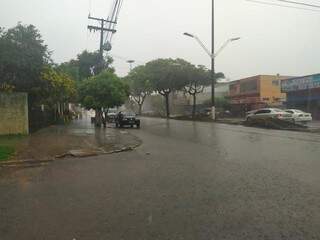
256, 92
303, 93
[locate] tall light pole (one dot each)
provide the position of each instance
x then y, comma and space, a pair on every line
213, 72
131, 62
213, 56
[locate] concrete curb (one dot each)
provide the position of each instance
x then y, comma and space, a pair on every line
31, 163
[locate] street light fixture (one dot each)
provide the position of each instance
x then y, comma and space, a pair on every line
212, 56
131, 62
206, 49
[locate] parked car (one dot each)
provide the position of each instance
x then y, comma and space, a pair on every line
111, 115
269, 113
300, 116
127, 119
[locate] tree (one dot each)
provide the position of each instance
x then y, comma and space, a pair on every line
23, 55
103, 91
166, 76
140, 87
89, 64
57, 90
86, 65
197, 79
71, 69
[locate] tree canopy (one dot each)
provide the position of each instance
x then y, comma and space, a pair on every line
23, 55
56, 86
86, 65
105, 90
140, 86
166, 76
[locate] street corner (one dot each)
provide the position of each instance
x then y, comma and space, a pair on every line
79, 139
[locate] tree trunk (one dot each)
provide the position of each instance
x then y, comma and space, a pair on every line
98, 118
194, 108
140, 109
167, 105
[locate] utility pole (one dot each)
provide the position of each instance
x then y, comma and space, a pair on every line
213, 109
102, 29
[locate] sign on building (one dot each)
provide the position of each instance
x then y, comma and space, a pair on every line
301, 83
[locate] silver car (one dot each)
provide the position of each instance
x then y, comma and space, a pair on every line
269, 113
300, 116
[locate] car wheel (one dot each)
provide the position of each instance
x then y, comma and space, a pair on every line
131, 126
138, 125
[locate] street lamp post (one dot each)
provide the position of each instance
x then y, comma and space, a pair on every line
212, 56
131, 62
213, 73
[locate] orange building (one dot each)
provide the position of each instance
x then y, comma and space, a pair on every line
256, 92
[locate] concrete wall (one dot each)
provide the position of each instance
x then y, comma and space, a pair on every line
14, 113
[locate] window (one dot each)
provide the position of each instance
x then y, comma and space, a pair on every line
275, 83
249, 86
262, 112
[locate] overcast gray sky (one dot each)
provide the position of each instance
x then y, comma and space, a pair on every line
274, 40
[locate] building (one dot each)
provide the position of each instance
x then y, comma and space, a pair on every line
256, 92
303, 93
221, 91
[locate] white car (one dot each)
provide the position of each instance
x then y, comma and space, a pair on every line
300, 116
268, 113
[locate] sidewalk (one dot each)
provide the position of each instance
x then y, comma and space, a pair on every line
79, 137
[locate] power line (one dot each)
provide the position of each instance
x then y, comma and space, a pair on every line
299, 3
279, 5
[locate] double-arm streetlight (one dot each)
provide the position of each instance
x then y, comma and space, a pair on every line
212, 56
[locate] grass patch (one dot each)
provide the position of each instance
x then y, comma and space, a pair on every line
7, 145
6, 152
10, 140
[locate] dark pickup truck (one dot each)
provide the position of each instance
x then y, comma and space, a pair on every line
127, 119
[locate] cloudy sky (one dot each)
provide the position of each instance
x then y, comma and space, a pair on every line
273, 39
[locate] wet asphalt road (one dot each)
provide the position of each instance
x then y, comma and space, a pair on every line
187, 181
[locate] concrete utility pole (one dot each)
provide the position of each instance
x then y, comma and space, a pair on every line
213, 73
102, 29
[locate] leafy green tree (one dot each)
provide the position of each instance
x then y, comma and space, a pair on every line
57, 90
140, 86
167, 76
23, 55
103, 91
89, 64
86, 65
71, 69
198, 77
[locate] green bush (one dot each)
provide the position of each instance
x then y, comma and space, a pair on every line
6, 152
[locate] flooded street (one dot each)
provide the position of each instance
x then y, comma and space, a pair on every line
187, 181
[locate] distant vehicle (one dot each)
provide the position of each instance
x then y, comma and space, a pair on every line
111, 115
127, 119
300, 116
269, 113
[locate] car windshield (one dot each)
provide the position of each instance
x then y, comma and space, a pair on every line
129, 114
299, 111
113, 111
